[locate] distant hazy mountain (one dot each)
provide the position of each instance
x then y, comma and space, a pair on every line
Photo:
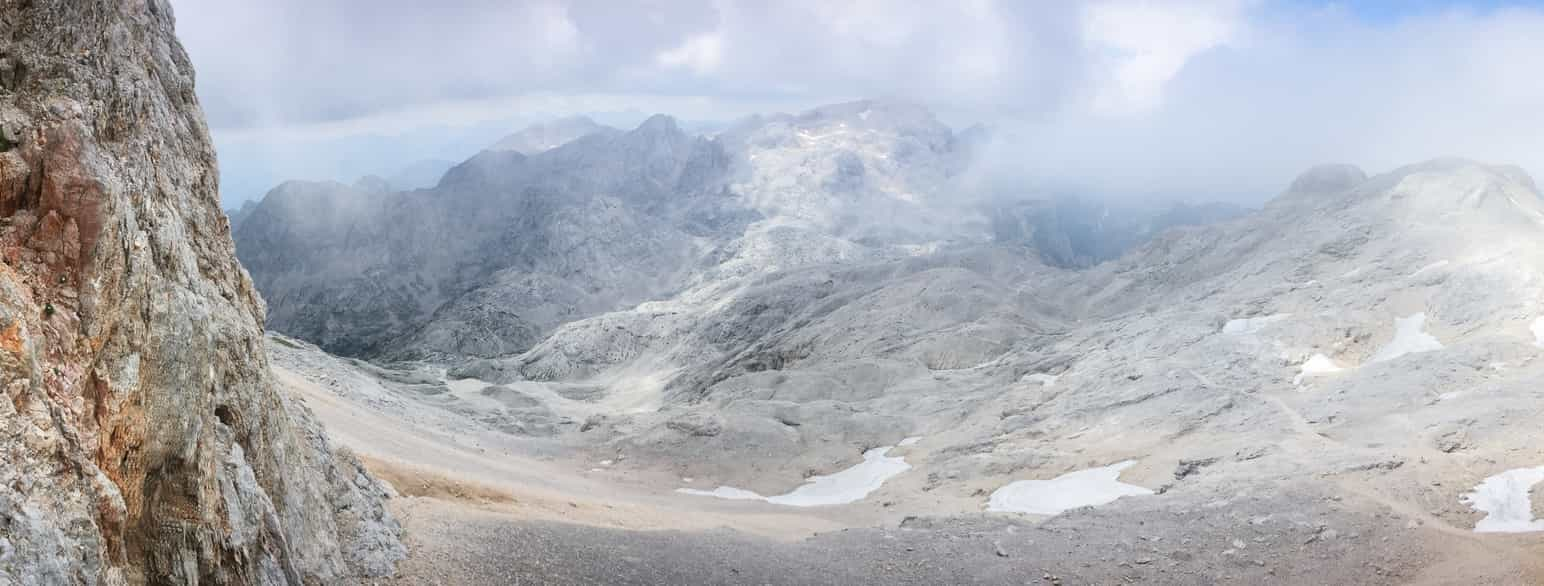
1079, 233
239, 214
550, 135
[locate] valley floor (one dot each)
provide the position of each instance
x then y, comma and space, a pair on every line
476, 511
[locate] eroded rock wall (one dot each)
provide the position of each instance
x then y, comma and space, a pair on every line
141, 437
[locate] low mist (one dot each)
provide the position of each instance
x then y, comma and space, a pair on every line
1187, 100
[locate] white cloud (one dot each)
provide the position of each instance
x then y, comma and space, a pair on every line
702, 54
1198, 98
1142, 44
1239, 121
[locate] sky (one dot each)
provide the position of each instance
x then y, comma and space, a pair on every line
1187, 99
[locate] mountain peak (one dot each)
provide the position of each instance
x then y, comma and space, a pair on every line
659, 123
1328, 179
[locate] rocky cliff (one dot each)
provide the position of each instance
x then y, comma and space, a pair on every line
141, 437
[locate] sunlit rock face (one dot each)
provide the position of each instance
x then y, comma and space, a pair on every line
141, 439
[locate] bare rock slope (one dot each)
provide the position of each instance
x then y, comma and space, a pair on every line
141, 437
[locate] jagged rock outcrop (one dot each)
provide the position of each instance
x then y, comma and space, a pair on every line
141, 437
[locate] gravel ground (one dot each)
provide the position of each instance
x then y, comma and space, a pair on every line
1320, 540
490, 515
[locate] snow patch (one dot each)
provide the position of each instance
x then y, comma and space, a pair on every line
1045, 380
1252, 325
1538, 332
910, 441
1408, 339
848, 486
1084, 488
1316, 365
724, 492
1504, 500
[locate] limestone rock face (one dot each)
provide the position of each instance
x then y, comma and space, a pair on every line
141, 437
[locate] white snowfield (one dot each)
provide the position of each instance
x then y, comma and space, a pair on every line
848, 486
1252, 325
1316, 365
1504, 500
1409, 338
1084, 488
1538, 332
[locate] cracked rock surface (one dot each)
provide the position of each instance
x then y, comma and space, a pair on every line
142, 439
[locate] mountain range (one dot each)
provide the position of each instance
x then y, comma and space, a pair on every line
1339, 381
571, 219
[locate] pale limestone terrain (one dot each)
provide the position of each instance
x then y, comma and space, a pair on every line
1187, 356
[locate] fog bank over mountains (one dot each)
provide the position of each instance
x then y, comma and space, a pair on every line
1202, 99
